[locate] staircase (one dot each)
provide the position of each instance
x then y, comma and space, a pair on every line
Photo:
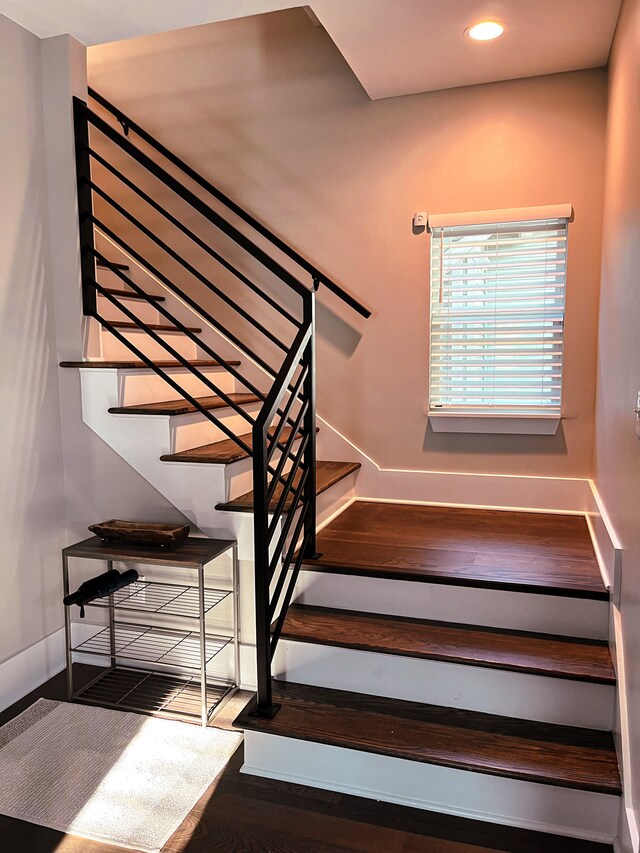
454, 660
199, 369
440, 658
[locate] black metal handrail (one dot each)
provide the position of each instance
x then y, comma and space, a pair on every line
284, 464
193, 237
317, 275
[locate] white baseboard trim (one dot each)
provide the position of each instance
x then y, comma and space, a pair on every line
608, 550
622, 734
628, 841
633, 829
30, 668
605, 542
446, 488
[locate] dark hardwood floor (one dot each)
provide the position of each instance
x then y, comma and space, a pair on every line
532, 552
246, 814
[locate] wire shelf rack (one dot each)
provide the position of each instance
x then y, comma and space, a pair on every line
166, 598
154, 662
147, 644
154, 693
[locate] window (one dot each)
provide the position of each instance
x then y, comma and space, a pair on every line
497, 319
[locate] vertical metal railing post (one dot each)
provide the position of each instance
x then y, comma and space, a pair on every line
85, 206
264, 703
309, 429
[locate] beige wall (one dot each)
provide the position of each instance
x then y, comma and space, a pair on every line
617, 449
56, 476
267, 108
32, 521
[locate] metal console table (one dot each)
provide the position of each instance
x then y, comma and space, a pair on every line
154, 668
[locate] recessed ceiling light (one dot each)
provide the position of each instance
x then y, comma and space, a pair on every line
486, 30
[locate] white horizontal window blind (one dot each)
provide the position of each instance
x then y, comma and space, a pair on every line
497, 316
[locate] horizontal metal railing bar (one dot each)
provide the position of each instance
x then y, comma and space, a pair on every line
277, 512
286, 527
284, 569
148, 233
295, 435
197, 240
286, 452
295, 460
177, 290
207, 414
191, 335
196, 203
275, 636
286, 411
178, 388
233, 206
281, 383
194, 370
230, 368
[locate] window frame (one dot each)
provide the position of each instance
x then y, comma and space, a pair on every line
487, 421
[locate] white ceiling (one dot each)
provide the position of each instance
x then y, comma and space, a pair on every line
399, 47
394, 47
102, 21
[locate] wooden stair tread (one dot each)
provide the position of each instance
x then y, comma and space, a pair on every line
220, 452
497, 648
327, 475
182, 407
129, 294
569, 757
496, 549
112, 264
157, 327
140, 365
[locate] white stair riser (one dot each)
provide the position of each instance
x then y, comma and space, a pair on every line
113, 349
108, 278
139, 307
144, 386
531, 805
335, 500
196, 429
475, 688
523, 611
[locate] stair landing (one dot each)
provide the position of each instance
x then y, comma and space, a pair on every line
520, 551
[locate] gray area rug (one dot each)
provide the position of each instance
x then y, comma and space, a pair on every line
107, 775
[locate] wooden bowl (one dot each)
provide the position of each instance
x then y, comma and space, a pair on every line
142, 532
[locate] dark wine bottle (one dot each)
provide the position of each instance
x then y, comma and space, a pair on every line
99, 587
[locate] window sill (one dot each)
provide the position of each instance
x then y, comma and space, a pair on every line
497, 424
